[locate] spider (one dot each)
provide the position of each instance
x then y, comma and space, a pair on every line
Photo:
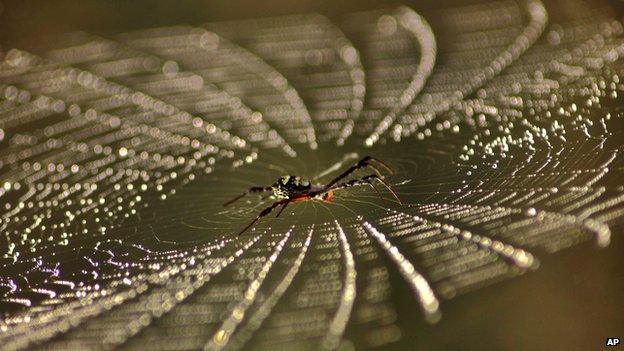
292, 189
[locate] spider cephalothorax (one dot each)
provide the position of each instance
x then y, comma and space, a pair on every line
292, 189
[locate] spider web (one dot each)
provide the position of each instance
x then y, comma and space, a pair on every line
503, 127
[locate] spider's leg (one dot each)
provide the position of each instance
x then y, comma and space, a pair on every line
379, 162
368, 181
364, 162
255, 189
389, 189
264, 212
282, 209
375, 169
383, 164
374, 187
361, 163
356, 182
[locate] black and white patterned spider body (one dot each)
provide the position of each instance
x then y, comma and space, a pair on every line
292, 186
292, 189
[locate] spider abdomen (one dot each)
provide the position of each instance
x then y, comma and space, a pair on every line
290, 187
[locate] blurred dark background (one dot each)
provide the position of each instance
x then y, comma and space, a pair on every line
24, 18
